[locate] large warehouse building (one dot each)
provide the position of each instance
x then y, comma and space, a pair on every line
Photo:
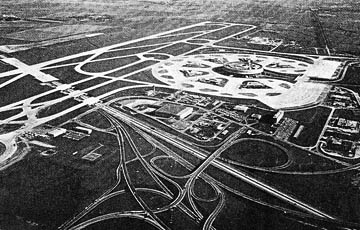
174, 110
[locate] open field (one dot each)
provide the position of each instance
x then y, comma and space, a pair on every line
256, 153
49, 97
6, 114
95, 119
59, 120
106, 65
57, 108
29, 87
177, 49
145, 76
90, 83
109, 87
125, 52
333, 193
132, 68
53, 32
66, 74
352, 76
170, 166
4, 67
313, 128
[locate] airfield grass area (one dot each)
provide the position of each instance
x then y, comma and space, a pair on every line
232, 30
109, 87
109, 64
57, 108
36, 55
6, 67
70, 61
196, 29
177, 49
48, 33
66, 74
160, 40
132, 68
9, 113
21, 89
48, 97
64, 118
7, 128
125, 52
6, 78
145, 76
90, 83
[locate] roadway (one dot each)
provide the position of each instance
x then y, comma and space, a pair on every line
237, 173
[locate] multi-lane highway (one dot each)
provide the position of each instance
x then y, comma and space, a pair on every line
237, 173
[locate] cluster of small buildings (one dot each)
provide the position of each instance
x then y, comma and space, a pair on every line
344, 137
213, 81
339, 97
342, 147
270, 118
252, 85
286, 128
234, 112
198, 100
230, 114
338, 70
77, 133
275, 123
344, 125
56, 132
95, 18
264, 40
9, 17
205, 129
91, 156
184, 98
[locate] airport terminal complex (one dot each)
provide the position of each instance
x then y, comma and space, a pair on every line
202, 127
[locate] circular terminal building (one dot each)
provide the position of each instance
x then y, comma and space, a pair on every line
244, 67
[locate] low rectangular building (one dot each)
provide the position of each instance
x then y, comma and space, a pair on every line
83, 129
241, 108
174, 110
57, 132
